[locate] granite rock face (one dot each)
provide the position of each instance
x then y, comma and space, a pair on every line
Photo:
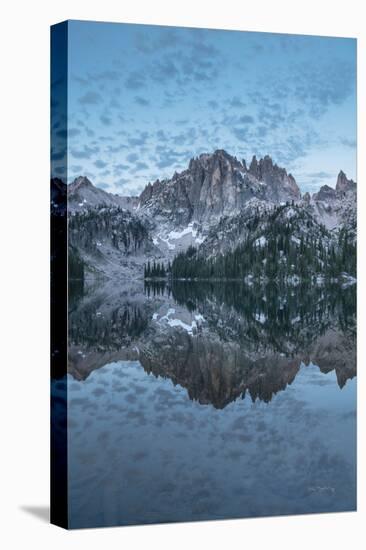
280, 186
212, 205
325, 193
344, 185
217, 185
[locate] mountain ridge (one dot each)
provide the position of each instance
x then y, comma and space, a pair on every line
263, 179
218, 184
209, 205
259, 169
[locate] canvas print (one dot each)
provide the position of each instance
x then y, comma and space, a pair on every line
203, 209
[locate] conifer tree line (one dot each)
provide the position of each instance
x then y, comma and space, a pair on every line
157, 270
312, 306
278, 256
126, 321
115, 224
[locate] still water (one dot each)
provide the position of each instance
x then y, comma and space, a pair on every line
209, 401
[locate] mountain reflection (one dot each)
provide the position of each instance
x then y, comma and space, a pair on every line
219, 341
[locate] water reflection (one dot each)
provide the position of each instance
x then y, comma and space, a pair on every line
220, 342
206, 401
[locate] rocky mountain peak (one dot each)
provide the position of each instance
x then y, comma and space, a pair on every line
266, 163
344, 184
281, 186
208, 161
329, 194
214, 185
265, 167
211, 205
82, 195
254, 167
325, 193
79, 183
146, 193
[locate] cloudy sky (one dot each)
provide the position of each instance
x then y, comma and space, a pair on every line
143, 100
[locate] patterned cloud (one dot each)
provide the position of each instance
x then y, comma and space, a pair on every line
143, 100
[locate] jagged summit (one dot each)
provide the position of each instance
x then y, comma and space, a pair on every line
80, 182
260, 169
218, 157
216, 203
325, 193
216, 184
343, 184
275, 177
264, 166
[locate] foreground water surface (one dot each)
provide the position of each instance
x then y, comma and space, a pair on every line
208, 401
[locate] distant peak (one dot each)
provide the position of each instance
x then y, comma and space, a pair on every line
222, 153
343, 183
205, 160
267, 158
325, 193
82, 181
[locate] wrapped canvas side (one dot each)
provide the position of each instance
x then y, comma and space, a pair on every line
59, 493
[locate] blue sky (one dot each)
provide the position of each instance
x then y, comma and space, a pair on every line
143, 100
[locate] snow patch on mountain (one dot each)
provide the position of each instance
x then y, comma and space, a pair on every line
261, 241
180, 318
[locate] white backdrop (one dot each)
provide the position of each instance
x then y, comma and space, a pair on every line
24, 306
